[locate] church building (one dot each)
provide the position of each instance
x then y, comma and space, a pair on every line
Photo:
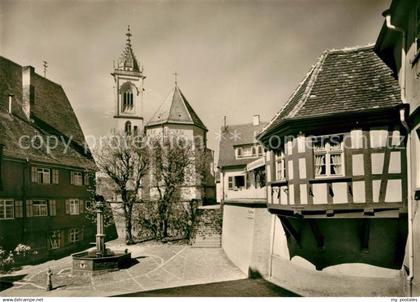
174, 117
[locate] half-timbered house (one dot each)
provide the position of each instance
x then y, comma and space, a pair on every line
337, 182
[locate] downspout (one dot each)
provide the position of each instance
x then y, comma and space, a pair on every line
410, 205
387, 15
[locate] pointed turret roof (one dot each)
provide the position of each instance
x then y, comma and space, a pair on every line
176, 109
128, 60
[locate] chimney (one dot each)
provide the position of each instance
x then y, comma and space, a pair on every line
256, 120
28, 90
10, 103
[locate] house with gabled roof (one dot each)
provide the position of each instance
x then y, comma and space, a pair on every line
337, 179
241, 163
46, 168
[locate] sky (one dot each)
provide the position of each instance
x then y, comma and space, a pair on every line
234, 58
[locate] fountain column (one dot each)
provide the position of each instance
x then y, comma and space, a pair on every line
100, 236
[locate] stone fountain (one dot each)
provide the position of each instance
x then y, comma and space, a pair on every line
101, 259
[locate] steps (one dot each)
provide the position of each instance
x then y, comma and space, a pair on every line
212, 241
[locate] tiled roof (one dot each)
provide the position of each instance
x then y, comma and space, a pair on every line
235, 135
176, 109
51, 112
346, 80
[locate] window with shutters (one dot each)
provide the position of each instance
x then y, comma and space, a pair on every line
76, 178
7, 210
41, 175
236, 182
39, 208
18, 208
55, 239
55, 176
53, 207
74, 235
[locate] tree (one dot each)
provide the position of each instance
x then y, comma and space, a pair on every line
175, 162
125, 160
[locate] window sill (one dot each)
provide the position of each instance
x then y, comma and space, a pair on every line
330, 179
278, 183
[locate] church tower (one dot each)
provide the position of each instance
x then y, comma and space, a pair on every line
128, 87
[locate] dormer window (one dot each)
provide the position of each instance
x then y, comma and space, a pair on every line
239, 152
328, 156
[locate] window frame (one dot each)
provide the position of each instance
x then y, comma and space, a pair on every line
74, 235
58, 239
280, 162
41, 175
41, 206
74, 178
5, 206
328, 152
74, 204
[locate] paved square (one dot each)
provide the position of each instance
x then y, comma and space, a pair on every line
159, 266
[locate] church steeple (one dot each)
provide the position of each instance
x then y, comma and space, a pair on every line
128, 60
128, 77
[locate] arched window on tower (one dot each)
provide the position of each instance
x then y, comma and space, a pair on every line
127, 97
127, 128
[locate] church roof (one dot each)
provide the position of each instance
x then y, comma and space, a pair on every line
128, 60
176, 109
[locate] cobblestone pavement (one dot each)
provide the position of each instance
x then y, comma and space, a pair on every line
159, 266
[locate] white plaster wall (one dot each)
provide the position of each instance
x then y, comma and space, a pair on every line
237, 235
350, 279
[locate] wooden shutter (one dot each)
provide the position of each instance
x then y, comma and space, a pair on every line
34, 175
230, 180
18, 208
55, 176
71, 178
53, 208
81, 206
86, 179
67, 206
29, 208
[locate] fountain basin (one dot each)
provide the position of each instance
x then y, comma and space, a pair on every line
87, 263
